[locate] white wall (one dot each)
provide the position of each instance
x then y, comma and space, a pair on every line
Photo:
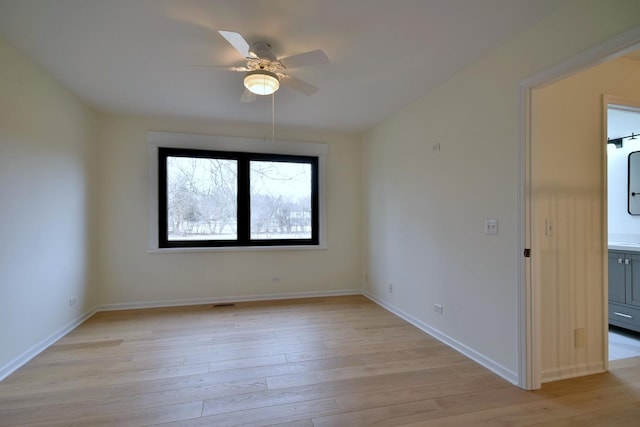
622, 226
47, 164
425, 209
130, 275
568, 186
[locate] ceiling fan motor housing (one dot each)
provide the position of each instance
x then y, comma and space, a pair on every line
262, 50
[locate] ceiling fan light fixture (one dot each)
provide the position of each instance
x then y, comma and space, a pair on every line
261, 82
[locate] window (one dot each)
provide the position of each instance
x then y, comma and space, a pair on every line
212, 198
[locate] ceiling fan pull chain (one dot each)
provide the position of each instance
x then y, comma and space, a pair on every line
273, 117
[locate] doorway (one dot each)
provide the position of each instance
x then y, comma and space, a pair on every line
623, 224
575, 310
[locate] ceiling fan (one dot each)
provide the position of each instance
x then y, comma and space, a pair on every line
264, 71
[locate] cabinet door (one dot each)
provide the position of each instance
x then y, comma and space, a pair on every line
633, 279
617, 277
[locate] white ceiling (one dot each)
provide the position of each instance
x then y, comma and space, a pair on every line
138, 56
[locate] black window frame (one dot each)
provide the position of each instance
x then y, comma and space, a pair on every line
243, 238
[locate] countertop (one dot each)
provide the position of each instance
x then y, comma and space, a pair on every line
624, 246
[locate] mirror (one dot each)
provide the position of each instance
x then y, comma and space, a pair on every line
633, 185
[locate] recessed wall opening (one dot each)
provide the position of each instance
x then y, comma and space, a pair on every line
565, 314
623, 224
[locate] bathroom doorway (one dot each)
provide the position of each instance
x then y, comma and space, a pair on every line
623, 129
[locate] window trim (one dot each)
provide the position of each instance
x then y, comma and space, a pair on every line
156, 140
243, 237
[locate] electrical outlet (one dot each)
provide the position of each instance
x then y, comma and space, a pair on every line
438, 308
435, 147
390, 288
578, 337
275, 279
491, 227
72, 302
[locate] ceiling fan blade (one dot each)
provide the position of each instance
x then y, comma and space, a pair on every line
226, 67
237, 41
248, 96
299, 85
314, 57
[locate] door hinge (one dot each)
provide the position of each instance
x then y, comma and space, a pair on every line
527, 253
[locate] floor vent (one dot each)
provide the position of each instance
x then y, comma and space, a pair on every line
228, 304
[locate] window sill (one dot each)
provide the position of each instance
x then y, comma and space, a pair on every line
238, 249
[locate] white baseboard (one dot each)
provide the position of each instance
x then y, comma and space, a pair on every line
227, 300
19, 361
491, 365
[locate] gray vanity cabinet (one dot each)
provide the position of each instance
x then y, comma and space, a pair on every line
624, 289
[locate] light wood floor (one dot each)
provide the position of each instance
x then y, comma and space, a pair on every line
317, 362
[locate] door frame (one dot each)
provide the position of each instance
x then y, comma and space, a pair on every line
529, 304
607, 102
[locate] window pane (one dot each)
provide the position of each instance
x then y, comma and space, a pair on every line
201, 198
280, 200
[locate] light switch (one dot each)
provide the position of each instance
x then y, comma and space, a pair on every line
548, 228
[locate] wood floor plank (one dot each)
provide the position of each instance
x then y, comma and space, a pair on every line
77, 370
541, 410
359, 371
38, 398
616, 415
218, 353
391, 396
335, 361
299, 423
128, 403
320, 390
350, 350
266, 416
247, 362
440, 409
53, 381
232, 375
383, 416
144, 417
